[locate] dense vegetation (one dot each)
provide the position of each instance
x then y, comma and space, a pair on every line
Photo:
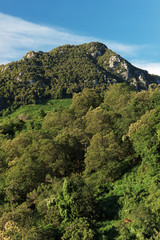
64, 71
90, 171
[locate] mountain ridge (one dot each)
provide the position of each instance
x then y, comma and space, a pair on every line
66, 70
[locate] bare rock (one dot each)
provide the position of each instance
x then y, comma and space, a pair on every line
142, 79
96, 53
30, 55
114, 61
5, 68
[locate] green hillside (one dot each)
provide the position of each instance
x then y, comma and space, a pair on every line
89, 171
32, 110
63, 71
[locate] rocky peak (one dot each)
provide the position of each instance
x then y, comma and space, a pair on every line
96, 49
32, 55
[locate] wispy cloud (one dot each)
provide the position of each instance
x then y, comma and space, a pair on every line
18, 37
151, 67
124, 49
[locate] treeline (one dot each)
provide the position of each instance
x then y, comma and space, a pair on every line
87, 172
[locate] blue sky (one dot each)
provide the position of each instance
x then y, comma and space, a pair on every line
130, 28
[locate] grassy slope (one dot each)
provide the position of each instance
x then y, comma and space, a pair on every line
32, 110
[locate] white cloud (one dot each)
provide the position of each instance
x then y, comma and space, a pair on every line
18, 37
152, 68
124, 49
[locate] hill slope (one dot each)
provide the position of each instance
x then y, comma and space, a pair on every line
90, 171
65, 70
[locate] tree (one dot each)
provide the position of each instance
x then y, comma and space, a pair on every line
76, 200
103, 155
80, 229
83, 101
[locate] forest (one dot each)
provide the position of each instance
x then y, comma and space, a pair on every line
85, 170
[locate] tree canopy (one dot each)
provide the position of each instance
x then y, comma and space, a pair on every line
89, 171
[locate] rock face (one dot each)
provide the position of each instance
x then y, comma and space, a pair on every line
125, 71
96, 54
32, 55
5, 68
120, 66
114, 61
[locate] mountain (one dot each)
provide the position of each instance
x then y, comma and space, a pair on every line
66, 70
80, 168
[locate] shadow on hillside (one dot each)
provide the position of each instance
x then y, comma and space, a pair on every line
109, 207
